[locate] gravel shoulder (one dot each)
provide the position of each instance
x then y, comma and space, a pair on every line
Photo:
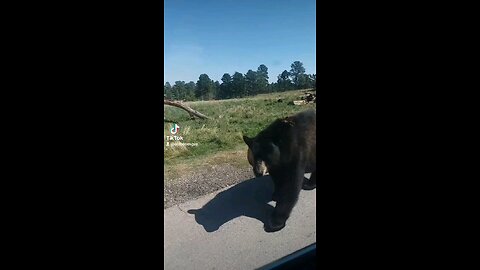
203, 181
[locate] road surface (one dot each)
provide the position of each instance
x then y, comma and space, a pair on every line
224, 229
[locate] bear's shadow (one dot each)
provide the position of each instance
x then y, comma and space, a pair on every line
249, 198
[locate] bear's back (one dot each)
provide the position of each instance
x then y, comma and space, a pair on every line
295, 136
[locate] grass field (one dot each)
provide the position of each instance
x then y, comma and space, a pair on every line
220, 138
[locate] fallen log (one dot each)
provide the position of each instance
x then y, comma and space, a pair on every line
297, 102
191, 111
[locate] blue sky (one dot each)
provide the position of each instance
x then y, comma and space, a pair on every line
224, 36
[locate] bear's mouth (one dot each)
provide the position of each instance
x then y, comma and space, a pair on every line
260, 174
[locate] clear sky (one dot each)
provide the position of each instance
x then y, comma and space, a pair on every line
224, 36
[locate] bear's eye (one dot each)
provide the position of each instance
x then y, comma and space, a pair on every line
259, 157
264, 156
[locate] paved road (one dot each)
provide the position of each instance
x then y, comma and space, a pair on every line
224, 230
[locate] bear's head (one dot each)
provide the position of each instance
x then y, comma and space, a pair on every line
261, 155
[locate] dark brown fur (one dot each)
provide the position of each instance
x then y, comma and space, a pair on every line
288, 149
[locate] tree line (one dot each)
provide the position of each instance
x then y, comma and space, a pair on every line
241, 85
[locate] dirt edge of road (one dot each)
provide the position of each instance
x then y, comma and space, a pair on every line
203, 182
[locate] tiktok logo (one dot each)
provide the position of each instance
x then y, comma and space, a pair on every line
174, 129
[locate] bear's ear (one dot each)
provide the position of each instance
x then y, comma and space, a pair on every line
247, 140
288, 121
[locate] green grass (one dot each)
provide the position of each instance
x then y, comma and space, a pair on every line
230, 119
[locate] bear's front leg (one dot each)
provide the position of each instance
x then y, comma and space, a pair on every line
276, 188
274, 196
287, 197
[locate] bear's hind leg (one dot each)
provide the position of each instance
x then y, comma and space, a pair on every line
309, 184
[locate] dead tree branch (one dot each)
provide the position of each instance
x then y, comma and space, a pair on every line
190, 111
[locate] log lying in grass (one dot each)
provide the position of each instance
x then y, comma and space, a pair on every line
305, 99
191, 111
298, 102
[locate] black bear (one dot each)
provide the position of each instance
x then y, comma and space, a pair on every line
287, 150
